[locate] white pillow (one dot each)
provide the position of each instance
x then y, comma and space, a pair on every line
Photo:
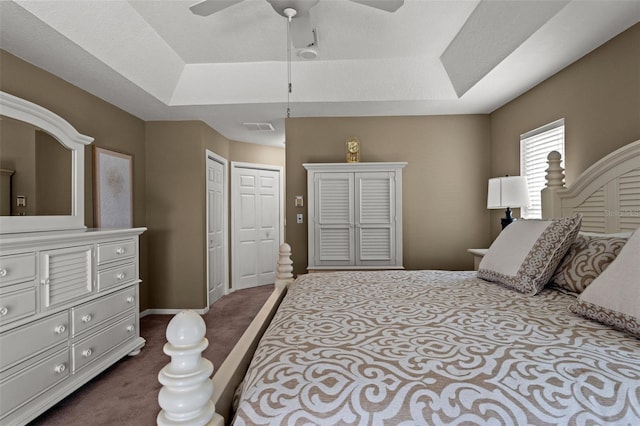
527, 252
613, 298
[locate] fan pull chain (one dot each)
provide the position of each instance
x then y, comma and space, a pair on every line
289, 85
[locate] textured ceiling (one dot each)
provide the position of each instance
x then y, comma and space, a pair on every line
159, 61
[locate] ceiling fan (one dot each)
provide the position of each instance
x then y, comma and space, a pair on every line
298, 11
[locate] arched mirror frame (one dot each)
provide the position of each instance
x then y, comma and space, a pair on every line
20, 109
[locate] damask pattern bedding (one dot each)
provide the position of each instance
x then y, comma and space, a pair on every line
435, 347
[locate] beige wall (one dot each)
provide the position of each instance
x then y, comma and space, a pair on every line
257, 154
176, 191
599, 97
443, 184
111, 127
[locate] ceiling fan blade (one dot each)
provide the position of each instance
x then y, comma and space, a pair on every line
387, 5
209, 7
302, 31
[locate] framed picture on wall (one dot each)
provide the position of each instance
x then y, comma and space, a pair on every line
113, 189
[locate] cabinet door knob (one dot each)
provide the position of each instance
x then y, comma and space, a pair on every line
87, 353
120, 250
59, 369
130, 328
86, 318
120, 276
4, 310
45, 281
130, 299
3, 272
60, 329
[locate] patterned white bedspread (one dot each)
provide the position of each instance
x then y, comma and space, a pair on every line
436, 347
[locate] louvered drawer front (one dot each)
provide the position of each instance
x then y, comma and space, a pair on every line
20, 388
99, 344
92, 314
23, 342
115, 276
108, 252
66, 275
17, 268
17, 305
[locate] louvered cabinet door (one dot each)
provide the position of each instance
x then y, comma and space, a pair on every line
65, 274
334, 224
355, 215
375, 215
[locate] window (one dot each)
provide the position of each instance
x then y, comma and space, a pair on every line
534, 148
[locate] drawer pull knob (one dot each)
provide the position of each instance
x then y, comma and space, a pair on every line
130, 328
87, 353
86, 318
3, 272
60, 329
60, 368
4, 311
130, 299
120, 250
120, 276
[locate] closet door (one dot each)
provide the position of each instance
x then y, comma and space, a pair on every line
256, 213
334, 226
375, 216
216, 222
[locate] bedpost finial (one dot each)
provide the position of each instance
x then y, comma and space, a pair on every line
186, 328
555, 173
285, 265
185, 396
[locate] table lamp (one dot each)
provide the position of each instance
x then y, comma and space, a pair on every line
506, 192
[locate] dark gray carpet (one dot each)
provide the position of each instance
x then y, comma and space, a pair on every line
127, 393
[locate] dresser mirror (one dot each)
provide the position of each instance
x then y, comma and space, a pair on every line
42, 158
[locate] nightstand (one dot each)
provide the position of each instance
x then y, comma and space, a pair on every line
477, 254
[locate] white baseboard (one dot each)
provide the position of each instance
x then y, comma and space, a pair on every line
171, 311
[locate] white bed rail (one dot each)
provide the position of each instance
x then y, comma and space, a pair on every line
188, 396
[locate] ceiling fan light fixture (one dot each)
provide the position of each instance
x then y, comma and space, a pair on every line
300, 6
308, 53
289, 12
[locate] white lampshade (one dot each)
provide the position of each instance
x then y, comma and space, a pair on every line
509, 191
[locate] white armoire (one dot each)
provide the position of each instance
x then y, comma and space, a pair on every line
354, 215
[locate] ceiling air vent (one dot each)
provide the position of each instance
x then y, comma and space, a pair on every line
259, 127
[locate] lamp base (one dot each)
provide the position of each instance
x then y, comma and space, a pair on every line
507, 219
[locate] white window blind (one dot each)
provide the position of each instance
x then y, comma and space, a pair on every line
534, 148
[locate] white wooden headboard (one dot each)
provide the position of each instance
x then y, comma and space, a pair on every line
607, 193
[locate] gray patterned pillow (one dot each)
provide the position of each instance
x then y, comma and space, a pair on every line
587, 257
527, 252
612, 298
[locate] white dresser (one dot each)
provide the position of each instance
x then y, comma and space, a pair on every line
68, 310
354, 215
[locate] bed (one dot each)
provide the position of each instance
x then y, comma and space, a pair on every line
546, 341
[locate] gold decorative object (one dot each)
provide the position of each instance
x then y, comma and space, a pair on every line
353, 150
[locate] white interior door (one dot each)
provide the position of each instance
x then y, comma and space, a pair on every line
257, 228
217, 240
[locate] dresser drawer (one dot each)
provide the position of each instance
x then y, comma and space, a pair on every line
22, 342
22, 387
108, 252
17, 304
115, 276
17, 268
93, 313
94, 347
